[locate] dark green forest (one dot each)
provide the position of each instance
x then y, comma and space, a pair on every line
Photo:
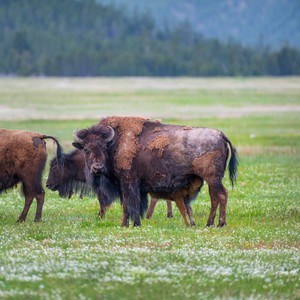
87, 38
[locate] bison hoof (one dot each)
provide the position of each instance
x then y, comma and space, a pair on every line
169, 215
221, 225
209, 225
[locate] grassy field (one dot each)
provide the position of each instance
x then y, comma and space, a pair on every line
73, 254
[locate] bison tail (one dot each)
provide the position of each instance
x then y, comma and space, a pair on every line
233, 166
59, 149
233, 162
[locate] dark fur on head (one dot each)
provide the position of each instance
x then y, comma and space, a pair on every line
67, 175
105, 132
70, 187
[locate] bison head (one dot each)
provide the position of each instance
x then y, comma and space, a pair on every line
55, 175
93, 143
70, 177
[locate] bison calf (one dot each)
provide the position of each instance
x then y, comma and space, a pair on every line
23, 157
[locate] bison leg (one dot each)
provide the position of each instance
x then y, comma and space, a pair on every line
151, 208
170, 212
39, 207
28, 201
213, 209
218, 194
182, 208
70, 194
223, 196
136, 222
131, 203
125, 218
190, 214
102, 209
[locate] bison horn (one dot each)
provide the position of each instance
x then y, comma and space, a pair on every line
111, 134
76, 138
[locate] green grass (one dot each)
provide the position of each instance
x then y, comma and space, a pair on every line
72, 254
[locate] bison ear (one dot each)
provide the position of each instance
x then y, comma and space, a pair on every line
110, 135
77, 145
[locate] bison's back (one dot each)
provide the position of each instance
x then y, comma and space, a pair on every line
22, 156
179, 145
21, 146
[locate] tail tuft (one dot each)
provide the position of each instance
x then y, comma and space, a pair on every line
233, 166
233, 162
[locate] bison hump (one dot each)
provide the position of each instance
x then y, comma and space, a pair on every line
128, 129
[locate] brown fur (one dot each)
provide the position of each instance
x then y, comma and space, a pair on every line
19, 150
159, 142
207, 164
128, 128
22, 159
156, 129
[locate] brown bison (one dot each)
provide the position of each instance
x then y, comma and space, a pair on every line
133, 156
71, 177
23, 157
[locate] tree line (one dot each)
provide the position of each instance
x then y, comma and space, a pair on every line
86, 38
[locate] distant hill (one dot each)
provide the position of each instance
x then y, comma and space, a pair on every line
274, 23
88, 38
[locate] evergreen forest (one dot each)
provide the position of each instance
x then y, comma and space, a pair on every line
87, 38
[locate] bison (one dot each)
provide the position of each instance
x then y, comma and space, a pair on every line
23, 157
133, 156
71, 177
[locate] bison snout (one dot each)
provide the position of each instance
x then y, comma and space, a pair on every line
97, 168
51, 187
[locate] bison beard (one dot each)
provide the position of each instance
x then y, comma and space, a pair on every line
163, 160
22, 159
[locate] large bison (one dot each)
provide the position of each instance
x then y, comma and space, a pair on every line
132, 156
71, 177
23, 157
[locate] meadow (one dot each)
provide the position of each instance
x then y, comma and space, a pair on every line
72, 254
